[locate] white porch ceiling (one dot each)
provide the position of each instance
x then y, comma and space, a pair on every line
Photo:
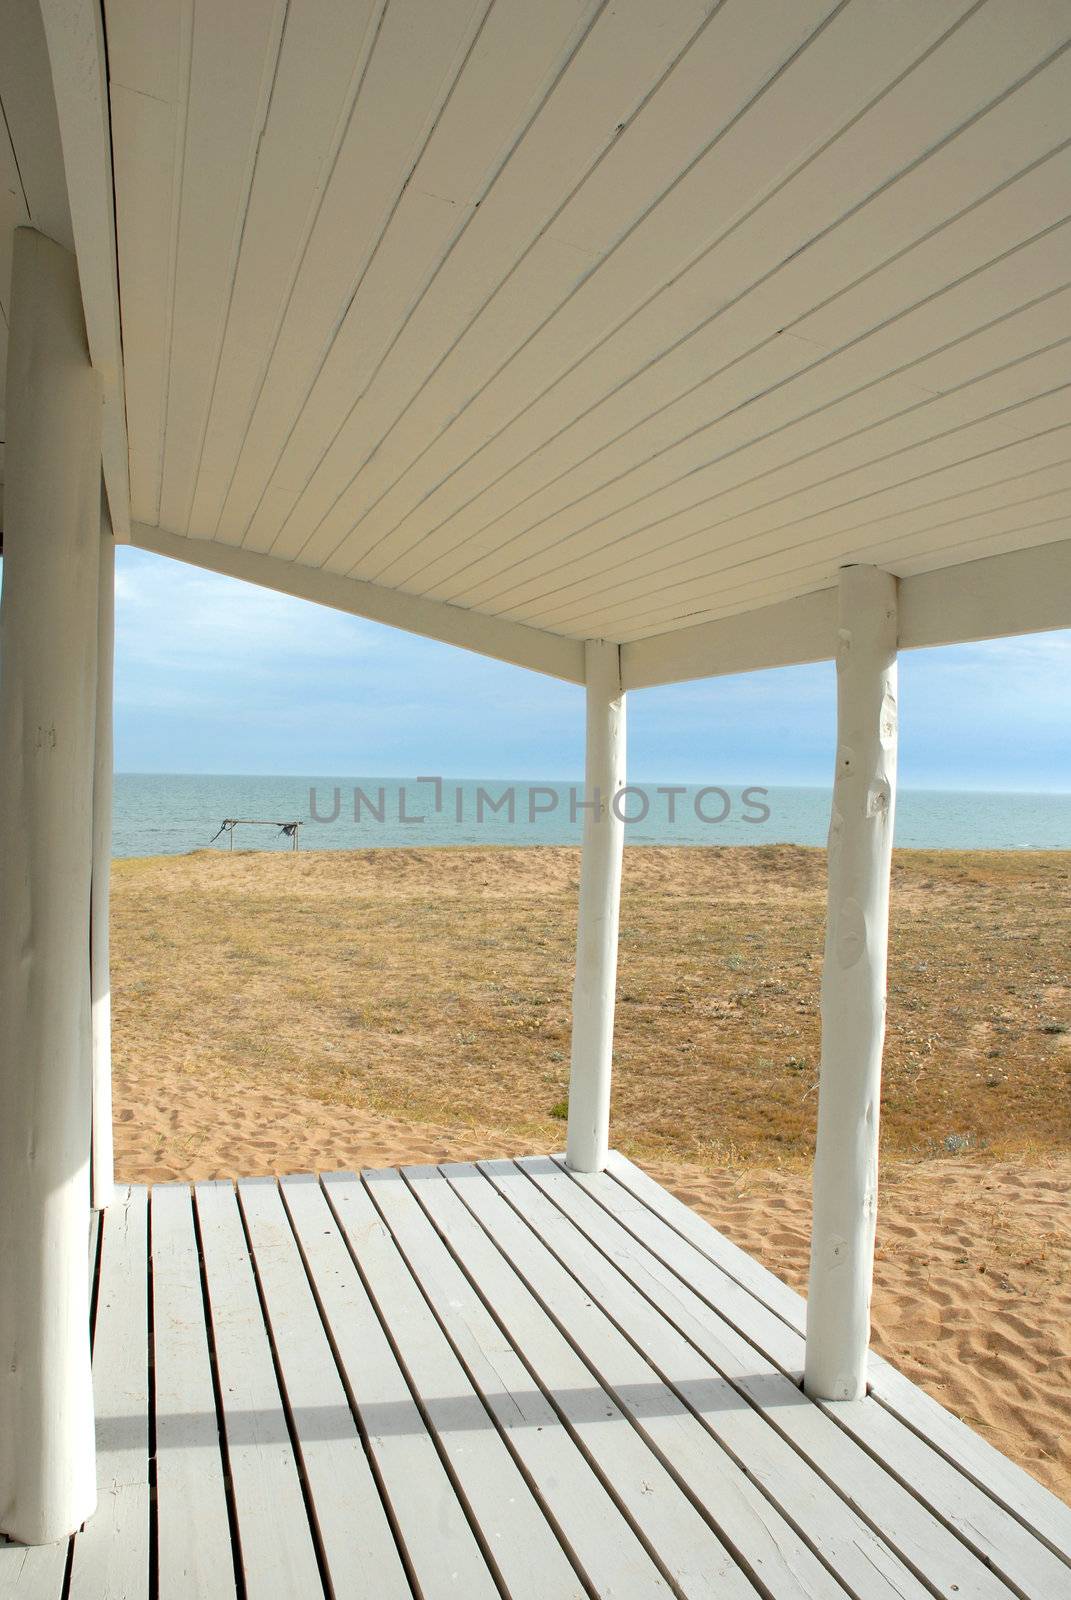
603, 318
585, 318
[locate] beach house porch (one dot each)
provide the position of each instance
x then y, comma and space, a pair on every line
500, 1379
630, 344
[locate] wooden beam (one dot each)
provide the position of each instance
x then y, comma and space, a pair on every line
497, 637
1022, 591
853, 988
74, 33
595, 987
101, 1176
1026, 591
781, 635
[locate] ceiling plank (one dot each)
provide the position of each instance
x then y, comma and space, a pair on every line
234, 52
322, 64
148, 63
412, 69
657, 225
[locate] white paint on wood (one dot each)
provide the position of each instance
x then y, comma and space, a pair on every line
75, 35
665, 193
546, 1293
491, 457
472, 630
1024, 591
770, 636
753, 556
32, 1572
578, 350
29, 117
49, 646
323, 58
588, 1520
234, 53
522, 1545
146, 131
626, 1236
190, 1492
111, 1554
1018, 591
411, 72
102, 1159
1001, 1514
686, 1549
713, 1375
521, 131
853, 988
359, 1552
434, 1531
794, 243
480, 120
738, 1514
277, 1553
742, 506
595, 985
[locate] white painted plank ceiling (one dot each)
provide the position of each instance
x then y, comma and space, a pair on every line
600, 316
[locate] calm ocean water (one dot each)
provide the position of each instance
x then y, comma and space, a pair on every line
159, 814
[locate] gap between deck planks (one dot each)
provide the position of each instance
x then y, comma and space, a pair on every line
500, 1379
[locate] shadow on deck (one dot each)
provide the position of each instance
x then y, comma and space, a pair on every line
501, 1380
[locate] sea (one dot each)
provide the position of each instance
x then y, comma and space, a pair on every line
170, 814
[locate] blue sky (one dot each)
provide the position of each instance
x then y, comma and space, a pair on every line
217, 676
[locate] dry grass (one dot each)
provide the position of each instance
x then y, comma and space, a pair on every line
434, 986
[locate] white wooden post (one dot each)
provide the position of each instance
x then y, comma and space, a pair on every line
47, 711
595, 987
853, 988
102, 1172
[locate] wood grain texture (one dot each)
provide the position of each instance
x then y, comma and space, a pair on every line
505, 1379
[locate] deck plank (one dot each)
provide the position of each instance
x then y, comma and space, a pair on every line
111, 1553
32, 1572
512, 1524
190, 1491
1011, 1520
758, 1535
360, 1554
500, 1379
588, 1520
276, 1547
861, 1560
434, 1530
919, 1538
685, 1547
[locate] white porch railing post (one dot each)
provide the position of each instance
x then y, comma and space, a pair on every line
595, 987
853, 988
102, 1171
47, 712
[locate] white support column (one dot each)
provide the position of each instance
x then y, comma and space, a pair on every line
47, 712
102, 1173
853, 988
594, 991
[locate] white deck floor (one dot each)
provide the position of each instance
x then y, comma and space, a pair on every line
501, 1380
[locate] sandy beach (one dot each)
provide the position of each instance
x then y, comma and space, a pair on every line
279, 1013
